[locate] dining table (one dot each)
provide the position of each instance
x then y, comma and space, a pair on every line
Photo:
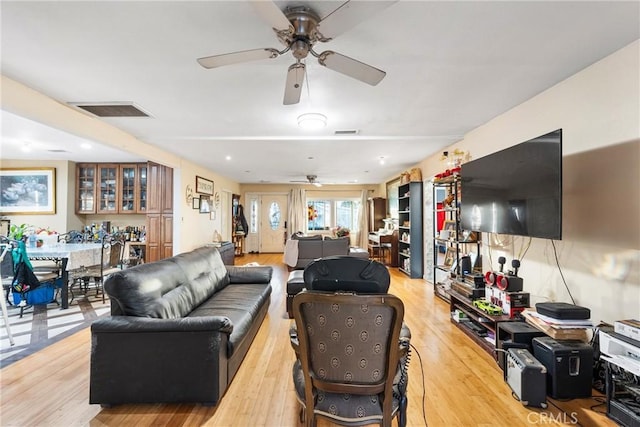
71, 257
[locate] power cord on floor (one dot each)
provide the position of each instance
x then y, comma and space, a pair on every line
424, 390
574, 420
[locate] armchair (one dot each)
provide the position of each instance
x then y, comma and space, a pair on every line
351, 345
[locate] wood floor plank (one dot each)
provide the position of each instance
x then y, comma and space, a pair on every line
462, 383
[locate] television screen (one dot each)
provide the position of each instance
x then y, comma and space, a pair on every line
515, 191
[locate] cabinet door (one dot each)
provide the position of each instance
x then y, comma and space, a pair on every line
153, 237
141, 202
167, 190
128, 188
85, 188
154, 185
166, 235
108, 194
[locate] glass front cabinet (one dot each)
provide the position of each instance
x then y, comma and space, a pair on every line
85, 188
111, 188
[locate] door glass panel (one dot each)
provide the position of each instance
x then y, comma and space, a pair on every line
253, 227
274, 216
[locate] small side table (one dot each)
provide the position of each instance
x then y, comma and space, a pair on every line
238, 242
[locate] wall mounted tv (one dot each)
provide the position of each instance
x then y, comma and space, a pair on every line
516, 191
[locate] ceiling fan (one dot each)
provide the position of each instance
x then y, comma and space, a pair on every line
311, 179
299, 28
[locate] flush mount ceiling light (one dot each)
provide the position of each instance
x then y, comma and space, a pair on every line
312, 121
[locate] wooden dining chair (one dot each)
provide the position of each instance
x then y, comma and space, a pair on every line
111, 260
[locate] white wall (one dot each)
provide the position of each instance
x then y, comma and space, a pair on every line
599, 254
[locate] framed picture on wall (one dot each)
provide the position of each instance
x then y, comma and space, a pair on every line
204, 186
27, 191
205, 204
392, 197
195, 203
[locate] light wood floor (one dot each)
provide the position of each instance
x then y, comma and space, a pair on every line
462, 383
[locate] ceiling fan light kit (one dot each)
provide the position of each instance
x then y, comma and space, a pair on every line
312, 121
299, 29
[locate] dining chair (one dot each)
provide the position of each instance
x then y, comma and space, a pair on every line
111, 260
351, 345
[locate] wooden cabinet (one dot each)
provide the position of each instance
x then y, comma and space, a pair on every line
111, 188
159, 212
377, 212
410, 245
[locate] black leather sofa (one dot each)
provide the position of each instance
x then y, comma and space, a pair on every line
178, 331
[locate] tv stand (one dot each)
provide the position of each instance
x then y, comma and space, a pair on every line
478, 320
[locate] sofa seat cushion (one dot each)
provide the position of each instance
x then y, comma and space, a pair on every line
241, 303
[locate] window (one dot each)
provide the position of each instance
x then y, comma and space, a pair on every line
274, 216
328, 214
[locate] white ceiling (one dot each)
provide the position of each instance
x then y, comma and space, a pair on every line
451, 66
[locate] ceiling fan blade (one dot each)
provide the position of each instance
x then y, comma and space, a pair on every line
271, 13
238, 57
350, 67
348, 16
293, 86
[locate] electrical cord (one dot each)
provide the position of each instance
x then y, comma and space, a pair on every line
424, 391
555, 253
571, 417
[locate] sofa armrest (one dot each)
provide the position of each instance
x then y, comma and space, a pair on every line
256, 274
145, 360
123, 324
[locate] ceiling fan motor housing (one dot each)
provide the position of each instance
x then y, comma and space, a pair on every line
304, 24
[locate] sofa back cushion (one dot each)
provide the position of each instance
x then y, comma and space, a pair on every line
338, 246
168, 289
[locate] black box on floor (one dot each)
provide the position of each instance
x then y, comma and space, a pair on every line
569, 366
515, 332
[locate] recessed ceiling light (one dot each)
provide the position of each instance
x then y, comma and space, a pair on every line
85, 145
381, 160
312, 121
26, 147
228, 157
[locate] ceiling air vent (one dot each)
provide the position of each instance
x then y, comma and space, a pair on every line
112, 109
57, 150
346, 132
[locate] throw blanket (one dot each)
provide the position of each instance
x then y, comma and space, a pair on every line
291, 253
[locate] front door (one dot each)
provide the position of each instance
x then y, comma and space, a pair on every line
272, 219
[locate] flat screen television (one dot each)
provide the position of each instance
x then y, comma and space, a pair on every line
515, 191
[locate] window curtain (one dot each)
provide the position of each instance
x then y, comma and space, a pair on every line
297, 215
363, 235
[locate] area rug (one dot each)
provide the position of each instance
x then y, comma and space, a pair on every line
42, 325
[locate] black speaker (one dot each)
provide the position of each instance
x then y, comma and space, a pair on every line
465, 264
569, 366
509, 283
510, 334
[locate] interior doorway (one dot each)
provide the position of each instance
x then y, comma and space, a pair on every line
267, 222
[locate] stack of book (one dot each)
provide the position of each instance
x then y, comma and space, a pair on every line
569, 329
